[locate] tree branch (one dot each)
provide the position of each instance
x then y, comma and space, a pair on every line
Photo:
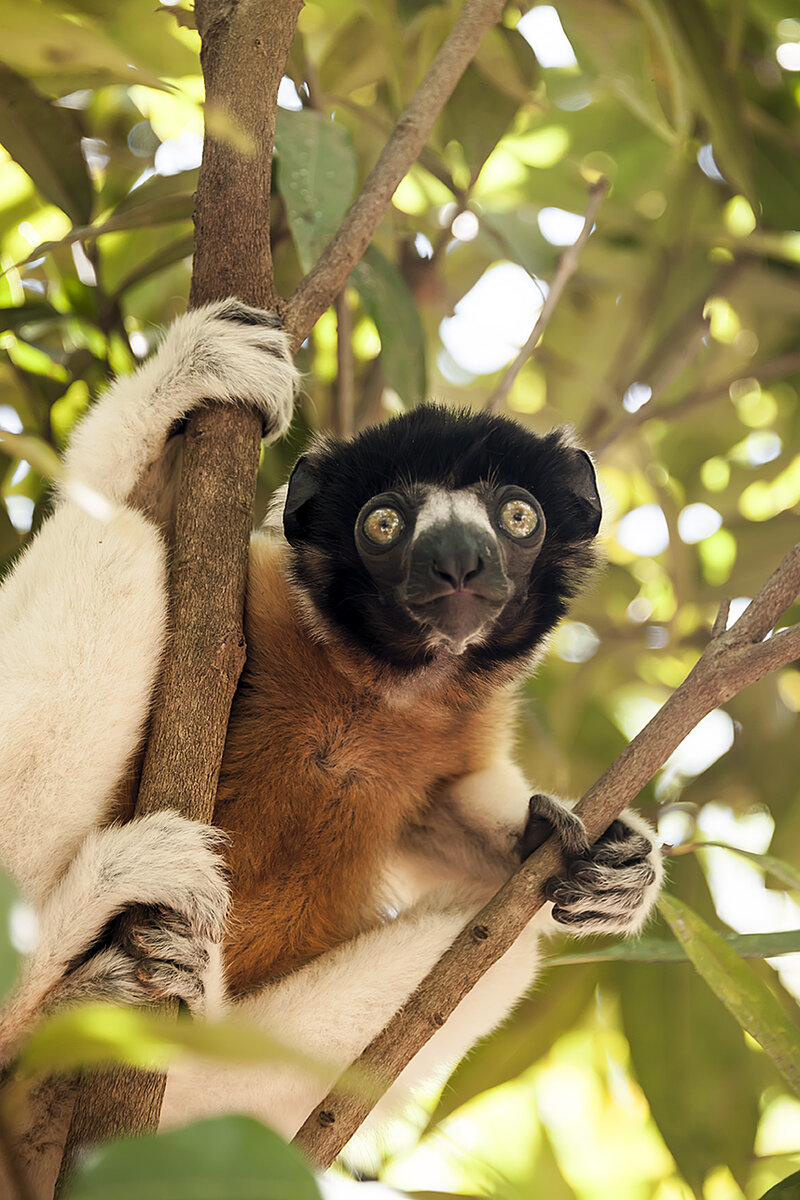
245, 46
567, 266
731, 660
327, 278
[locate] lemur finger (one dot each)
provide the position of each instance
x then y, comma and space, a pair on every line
621, 845
163, 979
166, 934
547, 816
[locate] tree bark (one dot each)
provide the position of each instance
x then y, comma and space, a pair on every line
245, 47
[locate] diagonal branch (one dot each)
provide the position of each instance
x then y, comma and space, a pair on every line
731, 660
316, 292
567, 267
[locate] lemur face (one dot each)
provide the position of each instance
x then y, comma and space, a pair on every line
442, 533
451, 560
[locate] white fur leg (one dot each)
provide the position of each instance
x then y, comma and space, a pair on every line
332, 1008
82, 621
223, 352
161, 859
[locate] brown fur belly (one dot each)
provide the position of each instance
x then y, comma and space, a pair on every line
320, 774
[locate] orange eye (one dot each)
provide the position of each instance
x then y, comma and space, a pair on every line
383, 526
519, 518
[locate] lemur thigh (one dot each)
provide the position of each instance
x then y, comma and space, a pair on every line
332, 1008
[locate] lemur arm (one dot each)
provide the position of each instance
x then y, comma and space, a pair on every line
484, 825
82, 622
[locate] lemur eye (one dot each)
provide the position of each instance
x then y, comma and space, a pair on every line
383, 526
519, 518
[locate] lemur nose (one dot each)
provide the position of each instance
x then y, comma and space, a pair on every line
457, 568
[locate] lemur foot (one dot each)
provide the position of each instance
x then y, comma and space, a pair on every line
160, 885
609, 887
150, 953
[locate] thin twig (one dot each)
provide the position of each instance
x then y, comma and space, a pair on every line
683, 358
566, 269
721, 619
732, 660
778, 368
317, 291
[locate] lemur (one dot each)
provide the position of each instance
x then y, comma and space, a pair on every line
368, 803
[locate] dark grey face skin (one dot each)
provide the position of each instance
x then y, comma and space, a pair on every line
451, 560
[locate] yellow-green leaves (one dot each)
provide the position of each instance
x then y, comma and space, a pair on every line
738, 987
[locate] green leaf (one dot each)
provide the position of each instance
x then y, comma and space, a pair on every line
46, 142
34, 450
232, 1157
659, 950
787, 1189
316, 177
162, 210
173, 252
96, 1034
701, 55
785, 872
744, 995
612, 41
38, 41
694, 1067
520, 1041
9, 958
388, 301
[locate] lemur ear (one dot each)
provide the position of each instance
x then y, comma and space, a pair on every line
304, 483
582, 483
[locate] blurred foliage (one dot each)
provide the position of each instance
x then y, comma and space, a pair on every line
674, 353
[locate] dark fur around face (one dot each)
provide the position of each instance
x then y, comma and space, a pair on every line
438, 447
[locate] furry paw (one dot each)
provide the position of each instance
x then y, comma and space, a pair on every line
611, 888
162, 859
231, 353
548, 816
151, 953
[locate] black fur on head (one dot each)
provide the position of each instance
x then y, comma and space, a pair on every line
437, 447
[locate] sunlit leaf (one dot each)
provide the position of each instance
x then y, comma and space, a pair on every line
164, 210
101, 1033
173, 252
388, 301
316, 178
34, 450
611, 40
676, 1031
659, 950
42, 42
740, 990
46, 142
787, 1189
787, 873
701, 54
232, 1157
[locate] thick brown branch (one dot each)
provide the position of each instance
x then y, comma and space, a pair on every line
730, 662
317, 291
566, 269
244, 52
